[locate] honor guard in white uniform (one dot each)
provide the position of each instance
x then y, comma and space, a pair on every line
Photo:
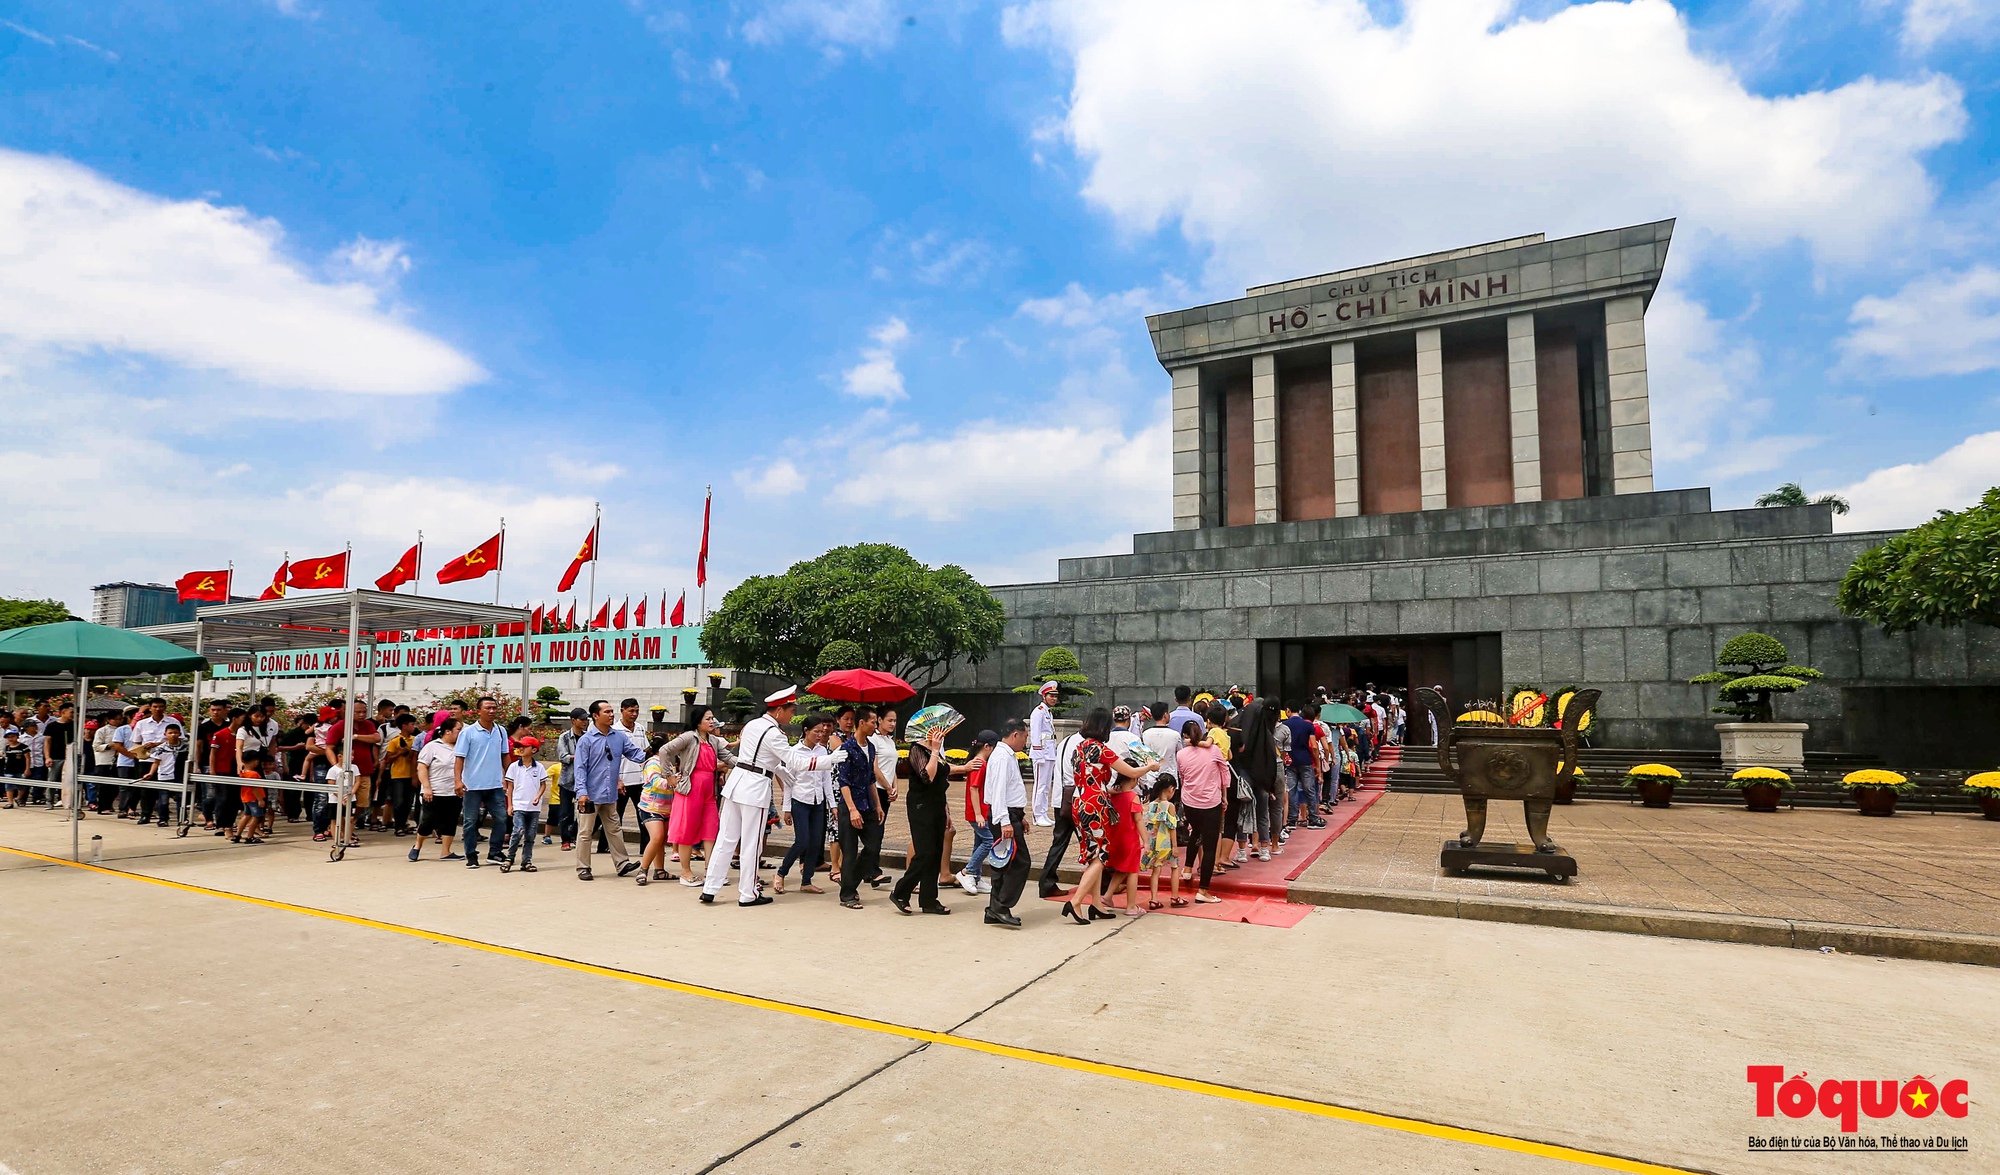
1042, 753
761, 764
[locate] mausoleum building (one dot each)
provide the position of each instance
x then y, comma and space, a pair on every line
1438, 471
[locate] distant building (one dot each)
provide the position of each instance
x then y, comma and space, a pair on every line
135, 605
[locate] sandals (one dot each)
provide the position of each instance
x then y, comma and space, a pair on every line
1178, 903
778, 886
810, 889
851, 905
1160, 905
529, 868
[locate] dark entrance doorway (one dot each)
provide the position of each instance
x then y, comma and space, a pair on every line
1466, 665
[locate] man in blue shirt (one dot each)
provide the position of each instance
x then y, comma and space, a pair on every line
1298, 739
479, 775
1182, 714
855, 808
594, 785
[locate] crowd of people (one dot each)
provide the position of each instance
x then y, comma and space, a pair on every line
1164, 796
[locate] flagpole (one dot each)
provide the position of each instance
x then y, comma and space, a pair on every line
417, 572
596, 542
707, 499
500, 563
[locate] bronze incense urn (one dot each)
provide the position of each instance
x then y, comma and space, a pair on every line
1494, 762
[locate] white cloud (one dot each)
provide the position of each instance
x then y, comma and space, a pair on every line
866, 25
779, 479
566, 468
1295, 136
876, 377
90, 265
1928, 22
1017, 468
1938, 324
1904, 495
377, 263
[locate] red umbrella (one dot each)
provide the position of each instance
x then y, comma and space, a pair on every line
862, 685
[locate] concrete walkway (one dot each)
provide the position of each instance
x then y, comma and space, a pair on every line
429, 1017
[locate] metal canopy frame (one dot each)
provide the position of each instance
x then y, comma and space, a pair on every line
351, 616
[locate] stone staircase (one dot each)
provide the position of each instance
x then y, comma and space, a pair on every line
1705, 781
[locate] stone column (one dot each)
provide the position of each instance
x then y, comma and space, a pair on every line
1430, 417
1264, 434
1346, 435
1631, 415
1187, 447
1524, 407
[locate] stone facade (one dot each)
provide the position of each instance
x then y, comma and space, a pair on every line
1631, 594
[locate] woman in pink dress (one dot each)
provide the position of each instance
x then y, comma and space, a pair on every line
700, 757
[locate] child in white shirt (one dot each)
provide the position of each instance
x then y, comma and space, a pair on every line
527, 787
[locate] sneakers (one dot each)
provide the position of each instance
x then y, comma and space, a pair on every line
967, 882
1263, 854
985, 886
1044, 822
450, 856
625, 870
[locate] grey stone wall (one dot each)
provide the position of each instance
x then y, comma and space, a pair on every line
1635, 619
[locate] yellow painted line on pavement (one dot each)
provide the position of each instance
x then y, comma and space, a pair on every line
1404, 1125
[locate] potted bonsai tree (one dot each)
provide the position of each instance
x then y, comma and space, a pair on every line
1654, 783
1875, 790
1754, 668
1762, 787
1985, 787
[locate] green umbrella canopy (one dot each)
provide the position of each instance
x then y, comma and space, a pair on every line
91, 650
1340, 714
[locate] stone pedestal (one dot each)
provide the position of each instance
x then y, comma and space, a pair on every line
1763, 744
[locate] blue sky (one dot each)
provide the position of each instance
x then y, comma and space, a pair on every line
285, 274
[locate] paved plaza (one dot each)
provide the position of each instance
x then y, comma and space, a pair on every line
1912, 870
374, 1014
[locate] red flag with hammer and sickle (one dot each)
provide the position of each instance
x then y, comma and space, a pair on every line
208, 586
483, 559
328, 572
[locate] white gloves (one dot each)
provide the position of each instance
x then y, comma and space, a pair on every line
835, 759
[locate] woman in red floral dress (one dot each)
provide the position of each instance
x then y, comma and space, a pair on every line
1095, 813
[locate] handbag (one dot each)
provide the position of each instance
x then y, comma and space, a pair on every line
1242, 790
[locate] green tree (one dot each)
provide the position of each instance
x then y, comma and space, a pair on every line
906, 618
1754, 667
1059, 665
22, 613
838, 655
1943, 572
1790, 494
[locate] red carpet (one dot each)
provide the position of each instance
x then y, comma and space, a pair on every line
1273, 878
1255, 892
1255, 911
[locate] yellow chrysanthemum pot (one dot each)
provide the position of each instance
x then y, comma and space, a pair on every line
1655, 784
1763, 787
1875, 790
1985, 787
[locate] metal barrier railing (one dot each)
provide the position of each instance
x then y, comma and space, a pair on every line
184, 790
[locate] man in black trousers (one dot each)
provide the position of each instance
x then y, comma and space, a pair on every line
1007, 796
